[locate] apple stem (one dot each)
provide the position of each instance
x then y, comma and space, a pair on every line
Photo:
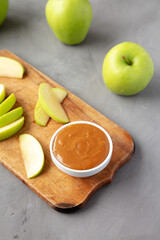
127, 60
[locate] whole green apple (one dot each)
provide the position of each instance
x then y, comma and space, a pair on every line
69, 19
3, 10
127, 69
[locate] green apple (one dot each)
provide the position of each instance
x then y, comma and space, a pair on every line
69, 19
11, 129
40, 116
127, 69
3, 10
50, 104
10, 68
7, 104
32, 154
11, 116
2, 93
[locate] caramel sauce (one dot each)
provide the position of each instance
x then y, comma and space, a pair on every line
81, 146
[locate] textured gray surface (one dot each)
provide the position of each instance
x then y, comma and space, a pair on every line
129, 208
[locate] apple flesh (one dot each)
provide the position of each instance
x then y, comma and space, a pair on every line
7, 104
2, 93
69, 19
127, 69
50, 104
32, 154
40, 116
3, 10
11, 116
60, 93
11, 129
10, 68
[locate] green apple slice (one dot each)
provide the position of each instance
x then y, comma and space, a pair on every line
7, 104
60, 93
50, 104
32, 154
11, 116
2, 93
40, 116
10, 68
11, 129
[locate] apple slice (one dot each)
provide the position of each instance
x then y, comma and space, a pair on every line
40, 116
60, 93
11, 129
32, 154
2, 93
11, 116
7, 104
10, 68
50, 104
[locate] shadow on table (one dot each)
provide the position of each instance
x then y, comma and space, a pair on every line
152, 91
128, 172
11, 24
97, 38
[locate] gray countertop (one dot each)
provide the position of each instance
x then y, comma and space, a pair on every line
128, 208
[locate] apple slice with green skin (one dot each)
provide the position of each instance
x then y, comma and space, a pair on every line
40, 116
2, 93
50, 104
11, 129
10, 68
11, 116
60, 93
32, 154
7, 104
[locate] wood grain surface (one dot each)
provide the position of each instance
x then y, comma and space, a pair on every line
61, 191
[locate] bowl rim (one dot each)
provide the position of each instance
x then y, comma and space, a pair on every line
86, 172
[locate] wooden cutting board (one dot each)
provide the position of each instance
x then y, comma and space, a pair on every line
61, 191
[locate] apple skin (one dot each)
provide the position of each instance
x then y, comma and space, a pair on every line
127, 69
11, 116
11, 129
3, 10
70, 20
7, 104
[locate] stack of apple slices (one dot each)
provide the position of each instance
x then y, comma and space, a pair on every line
10, 121
49, 105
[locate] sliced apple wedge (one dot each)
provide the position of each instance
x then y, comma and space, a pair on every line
60, 93
32, 154
7, 104
11, 116
40, 116
10, 68
2, 93
50, 104
11, 129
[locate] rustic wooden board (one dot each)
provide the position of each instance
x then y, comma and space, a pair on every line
61, 191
